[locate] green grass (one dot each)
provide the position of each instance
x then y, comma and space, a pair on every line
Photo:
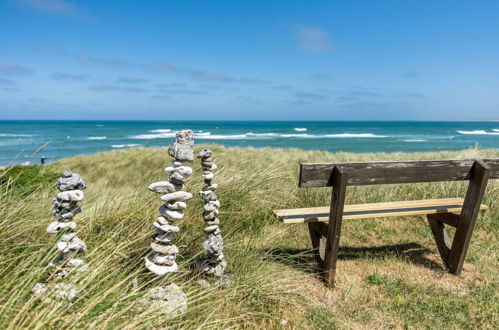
389, 271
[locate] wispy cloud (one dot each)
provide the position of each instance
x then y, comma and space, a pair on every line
11, 68
313, 39
68, 76
104, 88
166, 67
115, 88
60, 7
50, 49
4, 81
130, 80
86, 58
310, 96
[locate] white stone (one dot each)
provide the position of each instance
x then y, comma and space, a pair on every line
176, 206
172, 215
211, 228
177, 196
71, 195
164, 187
170, 300
163, 221
160, 270
208, 175
166, 228
185, 171
165, 237
56, 226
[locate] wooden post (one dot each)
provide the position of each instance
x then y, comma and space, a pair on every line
479, 176
339, 180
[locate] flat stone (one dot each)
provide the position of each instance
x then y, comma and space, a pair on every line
163, 221
166, 228
164, 249
211, 206
205, 153
176, 206
177, 178
75, 244
211, 228
71, 195
69, 213
172, 215
210, 215
215, 221
164, 237
158, 269
177, 196
165, 187
57, 226
162, 259
185, 171
212, 187
182, 147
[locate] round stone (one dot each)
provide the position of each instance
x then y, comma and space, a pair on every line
71, 195
172, 215
215, 221
164, 187
176, 206
158, 269
185, 171
166, 228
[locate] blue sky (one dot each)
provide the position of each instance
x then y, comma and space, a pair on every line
249, 60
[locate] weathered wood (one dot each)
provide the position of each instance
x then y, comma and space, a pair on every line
480, 174
450, 219
378, 210
441, 237
370, 173
316, 235
334, 227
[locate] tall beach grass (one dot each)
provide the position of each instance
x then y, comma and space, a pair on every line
389, 272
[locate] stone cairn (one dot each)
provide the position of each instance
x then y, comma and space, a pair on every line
162, 259
213, 262
70, 247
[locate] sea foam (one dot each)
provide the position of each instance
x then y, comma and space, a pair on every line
96, 137
479, 132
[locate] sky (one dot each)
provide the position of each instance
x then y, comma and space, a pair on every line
249, 60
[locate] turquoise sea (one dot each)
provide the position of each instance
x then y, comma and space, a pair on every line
19, 139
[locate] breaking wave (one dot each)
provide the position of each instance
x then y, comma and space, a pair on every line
479, 132
96, 137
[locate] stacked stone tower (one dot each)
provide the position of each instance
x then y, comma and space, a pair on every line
162, 259
213, 262
70, 247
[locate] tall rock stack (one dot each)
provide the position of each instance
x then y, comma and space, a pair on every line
162, 259
214, 260
70, 247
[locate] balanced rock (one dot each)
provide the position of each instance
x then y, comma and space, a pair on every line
182, 147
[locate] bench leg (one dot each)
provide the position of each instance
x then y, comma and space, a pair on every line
453, 252
334, 228
317, 235
441, 237
480, 173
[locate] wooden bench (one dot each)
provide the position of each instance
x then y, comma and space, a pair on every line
325, 222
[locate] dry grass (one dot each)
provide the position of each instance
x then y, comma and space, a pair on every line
389, 272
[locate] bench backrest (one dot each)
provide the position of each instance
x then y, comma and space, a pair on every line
370, 173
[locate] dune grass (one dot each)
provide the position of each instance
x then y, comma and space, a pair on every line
389, 271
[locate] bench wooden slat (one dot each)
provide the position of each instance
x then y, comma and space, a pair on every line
389, 172
375, 210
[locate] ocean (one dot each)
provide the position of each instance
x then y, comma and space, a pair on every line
20, 139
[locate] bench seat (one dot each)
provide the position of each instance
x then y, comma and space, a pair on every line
375, 210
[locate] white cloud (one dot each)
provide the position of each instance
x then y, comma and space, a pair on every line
313, 39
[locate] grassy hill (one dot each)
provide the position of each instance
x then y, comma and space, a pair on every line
389, 271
